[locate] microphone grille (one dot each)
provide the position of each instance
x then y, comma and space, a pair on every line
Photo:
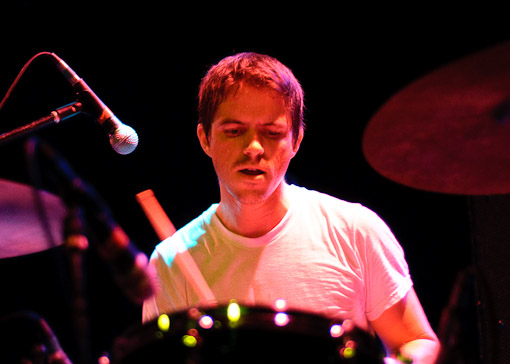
124, 139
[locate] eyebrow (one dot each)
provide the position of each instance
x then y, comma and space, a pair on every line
238, 122
229, 121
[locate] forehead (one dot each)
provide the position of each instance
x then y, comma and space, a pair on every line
249, 103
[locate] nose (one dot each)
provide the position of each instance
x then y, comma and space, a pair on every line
254, 147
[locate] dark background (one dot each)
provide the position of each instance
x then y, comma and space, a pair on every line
145, 62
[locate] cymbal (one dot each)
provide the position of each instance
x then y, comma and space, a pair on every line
22, 229
449, 131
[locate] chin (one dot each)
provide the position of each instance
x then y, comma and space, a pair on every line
250, 196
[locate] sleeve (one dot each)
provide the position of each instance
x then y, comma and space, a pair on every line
150, 309
387, 277
170, 288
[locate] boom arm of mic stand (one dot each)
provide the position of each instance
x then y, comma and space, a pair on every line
55, 117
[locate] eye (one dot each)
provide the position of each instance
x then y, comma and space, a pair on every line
232, 132
274, 133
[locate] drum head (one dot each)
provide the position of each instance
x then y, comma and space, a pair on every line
249, 335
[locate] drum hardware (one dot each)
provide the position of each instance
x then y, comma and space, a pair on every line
37, 220
449, 131
31, 220
127, 263
27, 338
204, 336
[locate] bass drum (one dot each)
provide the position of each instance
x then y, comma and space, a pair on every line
247, 335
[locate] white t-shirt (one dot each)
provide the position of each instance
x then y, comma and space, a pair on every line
326, 256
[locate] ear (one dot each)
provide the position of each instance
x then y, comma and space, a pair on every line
297, 143
202, 137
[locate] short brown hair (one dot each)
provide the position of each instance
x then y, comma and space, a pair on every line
256, 70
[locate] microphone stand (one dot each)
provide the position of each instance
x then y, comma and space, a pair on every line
55, 117
76, 244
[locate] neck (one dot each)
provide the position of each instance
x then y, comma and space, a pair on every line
255, 219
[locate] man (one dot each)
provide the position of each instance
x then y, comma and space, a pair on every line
267, 240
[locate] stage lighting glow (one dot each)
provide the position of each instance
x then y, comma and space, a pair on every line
336, 330
350, 344
348, 325
189, 340
206, 322
103, 359
194, 313
164, 322
280, 304
348, 353
233, 312
281, 319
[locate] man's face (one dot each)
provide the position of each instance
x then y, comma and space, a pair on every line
250, 144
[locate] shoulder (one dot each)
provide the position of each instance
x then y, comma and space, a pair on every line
312, 197
331, 207
361, 223
184, 238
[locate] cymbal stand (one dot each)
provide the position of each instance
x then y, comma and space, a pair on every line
75, 244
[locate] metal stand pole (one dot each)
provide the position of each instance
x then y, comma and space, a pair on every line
55, 117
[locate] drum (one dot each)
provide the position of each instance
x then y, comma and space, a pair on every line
235, 334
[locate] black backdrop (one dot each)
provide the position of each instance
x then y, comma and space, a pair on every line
145, 64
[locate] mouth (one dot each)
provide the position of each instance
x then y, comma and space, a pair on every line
251, 171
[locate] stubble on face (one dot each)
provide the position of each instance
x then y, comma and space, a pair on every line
251, 145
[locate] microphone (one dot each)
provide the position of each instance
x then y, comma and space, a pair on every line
129, 265
123, 138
